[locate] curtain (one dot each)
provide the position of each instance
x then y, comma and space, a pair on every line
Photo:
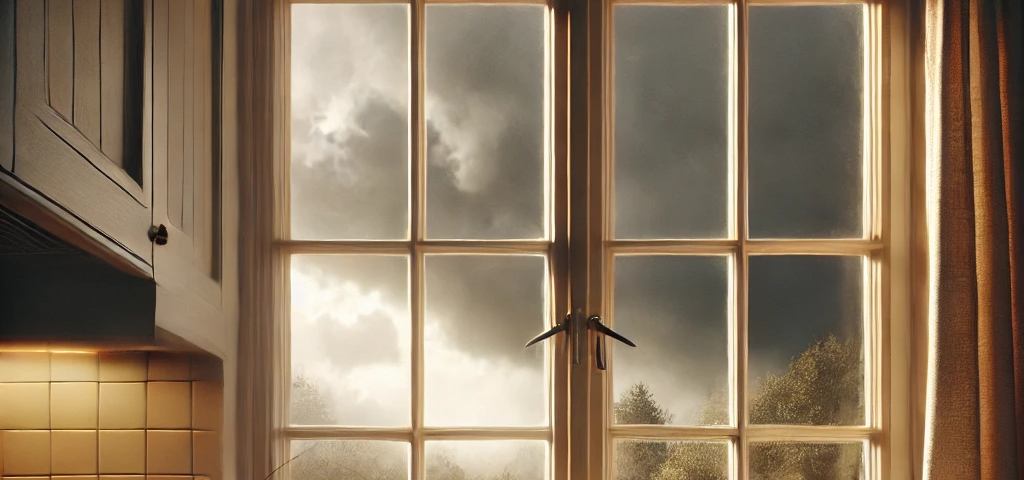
257, 327
975, 401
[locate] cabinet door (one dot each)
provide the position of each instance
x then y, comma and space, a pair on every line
81, 112
186, 140
6, 84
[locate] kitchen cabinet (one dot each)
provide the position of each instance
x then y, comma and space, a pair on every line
80, 114
114, 143
188, 166
6, 84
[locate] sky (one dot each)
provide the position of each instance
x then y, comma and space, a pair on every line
486, 180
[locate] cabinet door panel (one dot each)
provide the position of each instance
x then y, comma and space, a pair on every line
79, 113
7, 85
187, 162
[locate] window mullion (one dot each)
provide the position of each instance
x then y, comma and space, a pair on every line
417, 203
740, 123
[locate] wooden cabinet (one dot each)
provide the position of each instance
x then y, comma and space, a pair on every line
187, 164
80, 112
113, 131
6, 85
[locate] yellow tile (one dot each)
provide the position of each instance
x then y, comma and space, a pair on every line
207, 405
122, 451
123, 367
73, 452
74, 367
169, 477
74, 477
169, 452
206, 453
168, 366
26, 452
25, 406
122, 477
73, 405
24, 367
169, 405
122, 405
26, 478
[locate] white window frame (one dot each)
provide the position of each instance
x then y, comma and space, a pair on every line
579, 139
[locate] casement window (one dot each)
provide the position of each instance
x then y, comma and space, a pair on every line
714, 181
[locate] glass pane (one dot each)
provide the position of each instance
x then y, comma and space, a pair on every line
485, 121
806, 331
350, 340
340, 459
806, 461
806, 121
671, 121
675, 308
654, 460
480, 310
350, 122
487, 460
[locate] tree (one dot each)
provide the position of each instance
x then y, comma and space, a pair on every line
333, 460
822, 386
639, 460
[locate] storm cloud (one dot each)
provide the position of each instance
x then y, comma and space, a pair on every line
486, 164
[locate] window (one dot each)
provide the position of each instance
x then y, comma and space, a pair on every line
710, 179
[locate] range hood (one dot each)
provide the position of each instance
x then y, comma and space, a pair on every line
54, 295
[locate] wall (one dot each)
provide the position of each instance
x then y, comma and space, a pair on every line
110, 416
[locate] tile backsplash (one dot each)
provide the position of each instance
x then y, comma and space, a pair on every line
110, 416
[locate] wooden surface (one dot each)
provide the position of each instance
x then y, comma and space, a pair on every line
87, 71
59, 142
60, 56
187, 166
7, 84
112, 75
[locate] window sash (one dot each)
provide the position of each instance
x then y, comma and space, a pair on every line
581, 430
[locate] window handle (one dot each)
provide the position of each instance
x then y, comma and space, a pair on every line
600, 348
561, 327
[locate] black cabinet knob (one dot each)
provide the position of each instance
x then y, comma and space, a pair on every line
158, 234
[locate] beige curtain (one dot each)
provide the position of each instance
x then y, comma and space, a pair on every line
975, 405
257, 328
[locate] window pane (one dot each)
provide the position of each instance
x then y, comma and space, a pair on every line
806, 333
487, 460
806, 121
653, 460
350, 122
806, 461
485, 121
675, 308
671, 121
480, 310
350, 340
340, 459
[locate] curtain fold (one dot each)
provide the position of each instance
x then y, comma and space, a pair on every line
257, 328
975, 406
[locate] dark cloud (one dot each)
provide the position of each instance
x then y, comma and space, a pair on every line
360, 192
488, 306
795, 300
676, 310
805, 121
671, 131
349, 131
485, 171
485, 112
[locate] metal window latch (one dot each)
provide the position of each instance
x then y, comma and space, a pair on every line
600, 329
600, 349
561, 327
